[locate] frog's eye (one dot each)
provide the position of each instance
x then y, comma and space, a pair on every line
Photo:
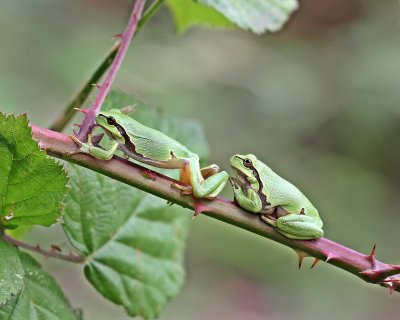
247, 163
111, 121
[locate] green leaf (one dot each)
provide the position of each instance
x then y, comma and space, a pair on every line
41, 297
32, 185
133, 242
188, 13
255, 15
11, 272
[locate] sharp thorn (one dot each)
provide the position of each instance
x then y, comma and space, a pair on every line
391, 280
373, 250
77, 125
54, 248
198, 208
371, 256
118, 36
329, 257
300, 262
316, 260
96, 85
300, 255
84, 111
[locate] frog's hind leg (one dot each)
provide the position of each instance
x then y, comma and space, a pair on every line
297, 226
209, 187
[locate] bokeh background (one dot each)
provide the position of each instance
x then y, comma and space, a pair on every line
318, 102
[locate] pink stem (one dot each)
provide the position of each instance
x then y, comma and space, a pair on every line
365, 266
126, 37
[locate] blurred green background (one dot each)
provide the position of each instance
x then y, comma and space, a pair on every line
318, 102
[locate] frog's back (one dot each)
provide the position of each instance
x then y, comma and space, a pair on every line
283, 193
153, 143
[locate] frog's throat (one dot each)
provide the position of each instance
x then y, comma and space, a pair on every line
241, 179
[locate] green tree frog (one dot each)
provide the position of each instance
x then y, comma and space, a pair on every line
260, 190
154, 148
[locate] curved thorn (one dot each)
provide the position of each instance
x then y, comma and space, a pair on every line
117, 36
391, 289
371, 256
198, 208
300, 255
96, 85
329, 257
316, 260
84, 111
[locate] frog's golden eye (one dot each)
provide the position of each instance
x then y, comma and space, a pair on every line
111, 121
247, 163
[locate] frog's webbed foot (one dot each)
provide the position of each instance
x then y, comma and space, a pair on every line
93, 148
185, 189
268, 219
209, 171
78, 143
83, 147
76, 140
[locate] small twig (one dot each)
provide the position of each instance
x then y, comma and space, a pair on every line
47, 253
62, 121
90, 114
365, 266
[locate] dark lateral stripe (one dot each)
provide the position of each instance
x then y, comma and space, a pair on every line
262, 196
128, 143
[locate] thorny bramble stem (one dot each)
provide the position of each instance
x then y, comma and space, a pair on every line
90, 114
87, 88
53, 253
365, 266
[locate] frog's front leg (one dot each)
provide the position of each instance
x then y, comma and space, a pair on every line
209, 187
97, 152
247, 198
296, 226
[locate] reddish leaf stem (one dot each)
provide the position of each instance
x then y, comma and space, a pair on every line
365, 266
126, 36
47, 253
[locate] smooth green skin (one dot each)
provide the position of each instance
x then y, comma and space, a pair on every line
258, 189
154, 148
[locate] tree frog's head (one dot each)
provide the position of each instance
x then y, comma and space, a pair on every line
245, 167
112, 122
